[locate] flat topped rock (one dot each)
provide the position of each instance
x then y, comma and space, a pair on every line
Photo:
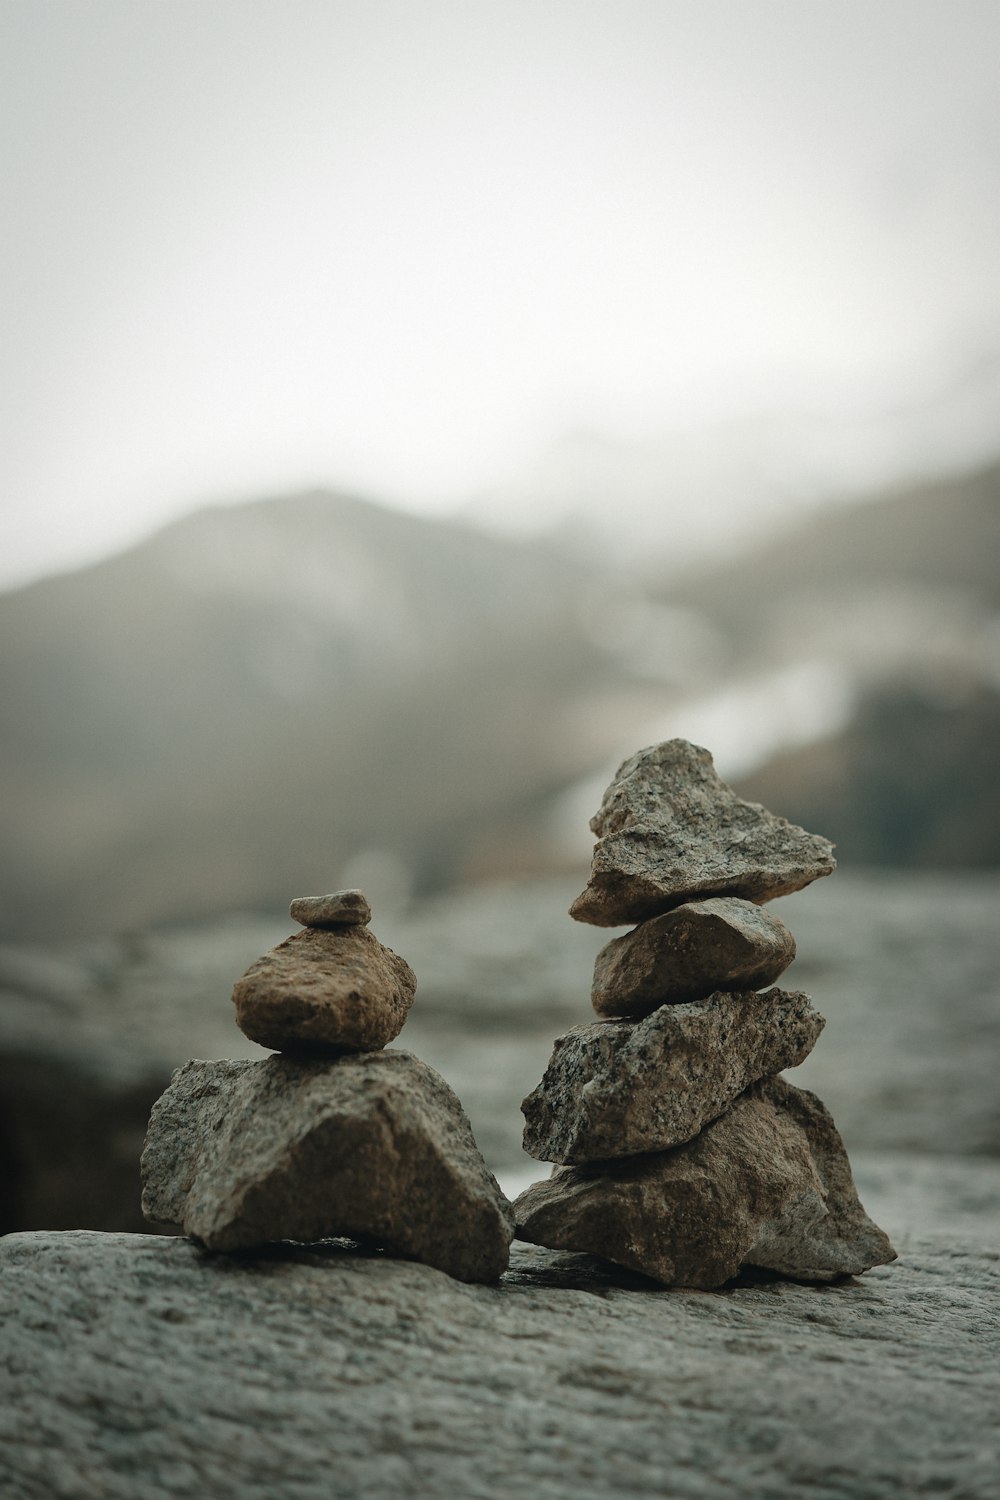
618, 1088
325, 992
240, 1154
339, 909
767, 1185
670, 830
685, 954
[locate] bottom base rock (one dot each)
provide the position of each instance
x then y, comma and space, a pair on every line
768, 1184
375, 1146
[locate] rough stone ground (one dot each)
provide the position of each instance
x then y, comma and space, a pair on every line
137, 1367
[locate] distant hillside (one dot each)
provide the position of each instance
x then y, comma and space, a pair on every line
942, 534
230, 711
911, 782
902, 597
877, 583
245, 704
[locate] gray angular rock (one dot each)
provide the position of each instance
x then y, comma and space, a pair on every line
622, 1088
669, 831
339, 909
245, 1153
325, 991
685, 954
768, 1184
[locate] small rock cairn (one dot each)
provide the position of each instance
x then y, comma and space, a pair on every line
332, 1137
679, 1152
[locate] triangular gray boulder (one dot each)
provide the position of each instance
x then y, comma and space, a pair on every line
374, 1145
669, 831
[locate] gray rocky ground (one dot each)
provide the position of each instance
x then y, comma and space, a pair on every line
139, 1367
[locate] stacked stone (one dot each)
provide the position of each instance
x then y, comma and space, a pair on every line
333, 1136
680, 1153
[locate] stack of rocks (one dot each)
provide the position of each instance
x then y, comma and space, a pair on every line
334, 1136
680, 1152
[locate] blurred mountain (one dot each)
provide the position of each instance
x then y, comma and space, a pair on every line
930, 549
897, 601
290, 694
912, 781
258, 696
669, 500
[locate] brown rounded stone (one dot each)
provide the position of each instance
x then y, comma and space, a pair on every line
688, 953
325, 992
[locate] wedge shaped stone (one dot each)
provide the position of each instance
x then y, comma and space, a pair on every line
339, 909
768, 1185
688, 953
621, 1088
669, 831
325, 992
376, 1146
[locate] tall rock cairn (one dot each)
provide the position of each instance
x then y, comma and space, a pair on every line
680, 1151
332, 1136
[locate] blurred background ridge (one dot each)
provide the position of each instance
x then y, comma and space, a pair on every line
260, 697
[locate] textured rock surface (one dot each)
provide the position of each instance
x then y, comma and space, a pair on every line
325, 991
136, 1366
619, 1088
768, 1185
339, 909
687, 953
669, 830
244, 1153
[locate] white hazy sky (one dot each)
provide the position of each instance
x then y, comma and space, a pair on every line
399, 245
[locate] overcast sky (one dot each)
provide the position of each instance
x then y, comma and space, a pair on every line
400, 247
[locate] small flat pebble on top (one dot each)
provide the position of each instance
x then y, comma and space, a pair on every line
325, 992
339, 909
